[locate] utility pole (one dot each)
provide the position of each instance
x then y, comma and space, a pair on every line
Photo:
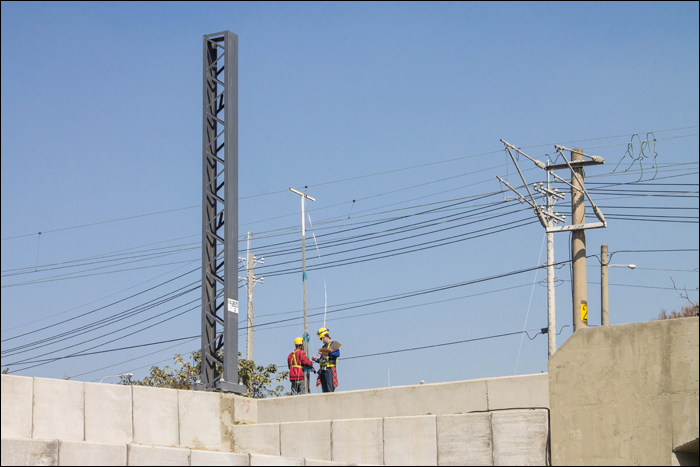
578, 227
604, 314
250, 280
552, 218
578, 244
548, 218
304, 196
604, 300
552, 197
551, 315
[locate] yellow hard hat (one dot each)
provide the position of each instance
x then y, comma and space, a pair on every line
322, 332
299, 341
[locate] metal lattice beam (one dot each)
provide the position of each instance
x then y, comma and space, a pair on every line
220, 214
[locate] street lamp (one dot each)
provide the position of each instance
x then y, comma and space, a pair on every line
604, 308
117, 376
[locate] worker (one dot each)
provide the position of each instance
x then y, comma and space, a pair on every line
297, 362
327, 375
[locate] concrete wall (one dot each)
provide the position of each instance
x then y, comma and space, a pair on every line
107, 413
384, 426
626, 395
24, 451
402, 401
508, 437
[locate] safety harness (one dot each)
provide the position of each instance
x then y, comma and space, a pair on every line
326, 361
295, 364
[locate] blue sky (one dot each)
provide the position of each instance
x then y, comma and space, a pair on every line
101, 120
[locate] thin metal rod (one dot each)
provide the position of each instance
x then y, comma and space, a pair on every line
307, 376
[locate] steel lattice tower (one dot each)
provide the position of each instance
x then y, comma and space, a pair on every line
220, 213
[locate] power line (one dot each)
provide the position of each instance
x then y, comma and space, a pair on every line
71, 264
100, 308
132, 359
103, 322
62, 277
24, 362
419, 292
350, 179
102, 222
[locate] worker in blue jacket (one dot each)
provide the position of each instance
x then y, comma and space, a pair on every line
327, 375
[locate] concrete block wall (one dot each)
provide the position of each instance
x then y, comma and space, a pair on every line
107, 413
508, 437
401, 401
392, 426
27, 451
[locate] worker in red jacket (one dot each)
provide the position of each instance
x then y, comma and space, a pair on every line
297, 361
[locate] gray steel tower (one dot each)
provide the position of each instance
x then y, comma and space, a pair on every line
220, 213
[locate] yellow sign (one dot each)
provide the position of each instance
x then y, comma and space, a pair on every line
584, 312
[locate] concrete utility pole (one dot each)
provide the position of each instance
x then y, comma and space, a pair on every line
551, 303
548, 218
578, 244
604, 315
304, 196
250, 280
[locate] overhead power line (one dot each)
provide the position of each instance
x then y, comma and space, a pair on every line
100, 308
354, 178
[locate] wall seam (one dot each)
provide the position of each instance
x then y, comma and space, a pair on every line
488, 405
279, 438
437, 444
331, 453
84, 430
491, 430
58, 452
383, 444
133, 427
177, 399
31, 418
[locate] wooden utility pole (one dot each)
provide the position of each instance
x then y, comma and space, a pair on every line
251, 278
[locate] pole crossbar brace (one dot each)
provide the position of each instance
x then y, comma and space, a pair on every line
568, 228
